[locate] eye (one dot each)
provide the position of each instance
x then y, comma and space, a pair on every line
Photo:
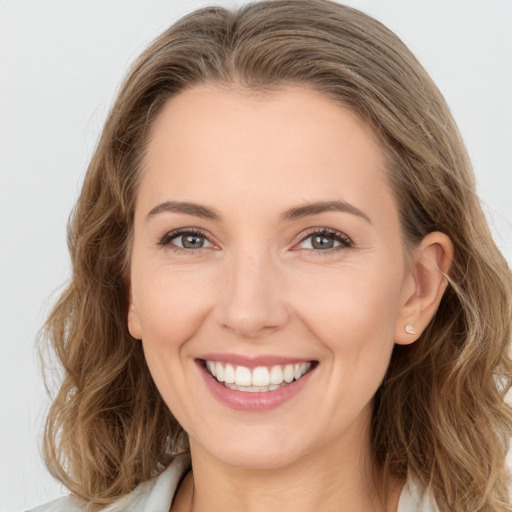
325, 240
188, 240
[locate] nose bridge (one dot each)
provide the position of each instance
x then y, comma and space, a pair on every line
253, 301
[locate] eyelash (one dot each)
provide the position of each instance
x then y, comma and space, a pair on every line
166, 240
344, 241
338, 236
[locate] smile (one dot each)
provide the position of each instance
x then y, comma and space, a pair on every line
259, 379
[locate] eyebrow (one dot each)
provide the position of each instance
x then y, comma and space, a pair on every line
291, 214
184, 207
325, 206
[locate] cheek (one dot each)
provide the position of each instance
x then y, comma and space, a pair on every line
171, 304
351, 303
171, 307
356, 326
353, 316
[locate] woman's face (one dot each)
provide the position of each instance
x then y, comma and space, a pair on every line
266, 244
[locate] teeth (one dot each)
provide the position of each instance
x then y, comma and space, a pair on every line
211, 367
288, 373
260, 376
219, 372
242, 376
297, 371
260, 379
229, 374
252, 389
276, 375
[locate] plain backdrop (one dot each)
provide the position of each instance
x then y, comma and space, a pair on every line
60, 64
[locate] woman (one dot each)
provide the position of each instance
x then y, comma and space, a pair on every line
284, 289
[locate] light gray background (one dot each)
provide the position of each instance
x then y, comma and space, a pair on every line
60, 64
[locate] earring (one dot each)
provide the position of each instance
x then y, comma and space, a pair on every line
409, 329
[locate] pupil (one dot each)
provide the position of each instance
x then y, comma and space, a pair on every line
193, 241
322, 242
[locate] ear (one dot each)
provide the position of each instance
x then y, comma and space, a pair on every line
424, 286
134, 325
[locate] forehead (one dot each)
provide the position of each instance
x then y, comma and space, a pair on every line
210, 141
209, 110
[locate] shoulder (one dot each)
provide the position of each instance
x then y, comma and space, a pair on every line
64, 504
415, 499
155, 494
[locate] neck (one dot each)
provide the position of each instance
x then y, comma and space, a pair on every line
339, 476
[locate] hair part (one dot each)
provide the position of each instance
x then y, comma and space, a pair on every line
440, 413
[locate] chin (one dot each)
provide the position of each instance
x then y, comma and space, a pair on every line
255, 452
258, 460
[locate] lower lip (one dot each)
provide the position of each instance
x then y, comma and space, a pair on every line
256, 401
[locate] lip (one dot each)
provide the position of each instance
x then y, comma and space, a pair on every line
252, 362
258, 401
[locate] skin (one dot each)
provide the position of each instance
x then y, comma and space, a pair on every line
259, 287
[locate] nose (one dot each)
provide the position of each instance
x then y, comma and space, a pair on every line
252, 302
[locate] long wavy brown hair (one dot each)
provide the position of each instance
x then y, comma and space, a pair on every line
440, 414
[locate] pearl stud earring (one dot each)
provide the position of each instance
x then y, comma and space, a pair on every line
409, 329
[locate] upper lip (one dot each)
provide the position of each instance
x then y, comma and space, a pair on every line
253, 361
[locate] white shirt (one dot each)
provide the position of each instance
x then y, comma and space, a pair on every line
156, 495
